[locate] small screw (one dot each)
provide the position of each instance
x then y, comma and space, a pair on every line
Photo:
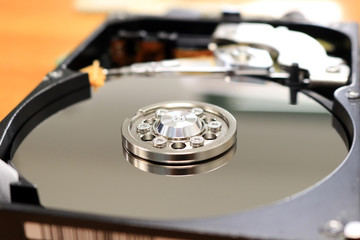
212, 46
197, 141
214, 126
198, 112
352, 94
159, 142
352, 230
143, 127
56, 74
333, 228
160, 112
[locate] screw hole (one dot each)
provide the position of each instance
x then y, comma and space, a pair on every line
147, 137
209, 136
178, 145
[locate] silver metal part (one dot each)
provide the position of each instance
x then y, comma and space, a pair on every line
214, 126
286, 48
244, 58
352, 94
198, 112
179, 125
168, 66
159, 142
196, 66
333, 228
178, 135
56, 74
180, 170
160, 112
257, 50
143, 127
197, 141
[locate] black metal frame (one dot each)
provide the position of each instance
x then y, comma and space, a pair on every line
299, 217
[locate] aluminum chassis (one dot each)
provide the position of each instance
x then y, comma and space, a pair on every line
303, 216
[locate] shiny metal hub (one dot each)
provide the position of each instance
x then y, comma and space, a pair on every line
179, 133
179, 125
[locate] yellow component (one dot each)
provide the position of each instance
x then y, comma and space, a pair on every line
96, 74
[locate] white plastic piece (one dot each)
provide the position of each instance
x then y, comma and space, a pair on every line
352, 230
8, 176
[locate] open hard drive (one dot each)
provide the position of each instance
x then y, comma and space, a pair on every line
173, 128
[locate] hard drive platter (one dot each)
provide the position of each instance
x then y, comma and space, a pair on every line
76, 156
173, 128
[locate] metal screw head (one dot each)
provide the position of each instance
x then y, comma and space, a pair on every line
143, 127
197, 111
352, 94
56, 74
333, 228
160, 112
214, 126
352, 230
212, 46
46, 78
197, 141
159, 142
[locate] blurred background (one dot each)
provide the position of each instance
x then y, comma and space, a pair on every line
34, 34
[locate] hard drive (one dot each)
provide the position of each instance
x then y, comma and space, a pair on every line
173, 128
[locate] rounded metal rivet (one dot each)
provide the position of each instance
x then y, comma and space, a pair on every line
159, 142
197, 141
56, 74
333, 228
212, 46
214, 126
197, 111
353, 94
160, 112
143, 127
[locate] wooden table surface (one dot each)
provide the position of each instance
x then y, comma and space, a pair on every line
33, 34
